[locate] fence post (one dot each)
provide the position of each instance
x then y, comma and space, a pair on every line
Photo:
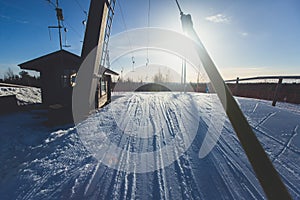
277, 91
236, 89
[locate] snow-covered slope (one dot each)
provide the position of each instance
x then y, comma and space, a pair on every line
26, 95
39, 163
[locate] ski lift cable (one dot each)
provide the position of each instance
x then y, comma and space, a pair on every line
81, 7
65, 34
179, 8
83, 10
148, 25
267, 175
125, 27
51, 3
72, 28
133, 62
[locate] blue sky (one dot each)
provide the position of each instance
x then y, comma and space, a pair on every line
244, 38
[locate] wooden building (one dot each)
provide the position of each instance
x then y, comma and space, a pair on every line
56, 71
58, 76
104, 88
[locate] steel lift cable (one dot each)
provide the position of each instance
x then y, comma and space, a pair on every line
84, 12
267, 175
148, 24
133, 62
81, 7
126, 30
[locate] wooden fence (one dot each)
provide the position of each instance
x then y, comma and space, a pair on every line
277, 91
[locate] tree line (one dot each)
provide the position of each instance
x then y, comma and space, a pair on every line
23, 78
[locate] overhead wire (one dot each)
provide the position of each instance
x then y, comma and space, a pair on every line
81, 7
73, 29
51, 3
179, 8
148, 26
127, 35
65, 23
84, 11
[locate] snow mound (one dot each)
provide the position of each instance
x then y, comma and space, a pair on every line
28, 95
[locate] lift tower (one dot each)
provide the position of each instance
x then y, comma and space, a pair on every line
93, 53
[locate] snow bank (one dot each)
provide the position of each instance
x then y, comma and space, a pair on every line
28, 95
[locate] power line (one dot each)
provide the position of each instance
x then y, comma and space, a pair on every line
60, 19
64, 22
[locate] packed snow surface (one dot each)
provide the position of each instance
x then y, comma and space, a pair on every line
39, 162
26, 95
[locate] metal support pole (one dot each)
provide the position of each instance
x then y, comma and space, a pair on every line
59, 15
236, 89
261, 164
84, 93
276, 92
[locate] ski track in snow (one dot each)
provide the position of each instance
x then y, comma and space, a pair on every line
58, 166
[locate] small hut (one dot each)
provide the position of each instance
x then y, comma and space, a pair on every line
58, 72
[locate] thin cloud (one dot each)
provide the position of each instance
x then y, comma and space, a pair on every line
5, 17
218, 18
22, 21
244, 34
8, 18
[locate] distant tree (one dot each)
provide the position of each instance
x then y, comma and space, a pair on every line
167, 79
9, 74
129, 80
158, 78
120, 80
24, 78
23, 74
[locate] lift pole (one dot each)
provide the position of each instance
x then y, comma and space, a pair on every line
60, 17
263, 167
84, 93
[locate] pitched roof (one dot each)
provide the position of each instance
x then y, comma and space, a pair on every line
106, 71
59, 58
110, 72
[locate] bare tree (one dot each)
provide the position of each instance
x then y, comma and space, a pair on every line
158, 78
9, 74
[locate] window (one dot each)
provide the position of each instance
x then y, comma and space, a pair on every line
68, 78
